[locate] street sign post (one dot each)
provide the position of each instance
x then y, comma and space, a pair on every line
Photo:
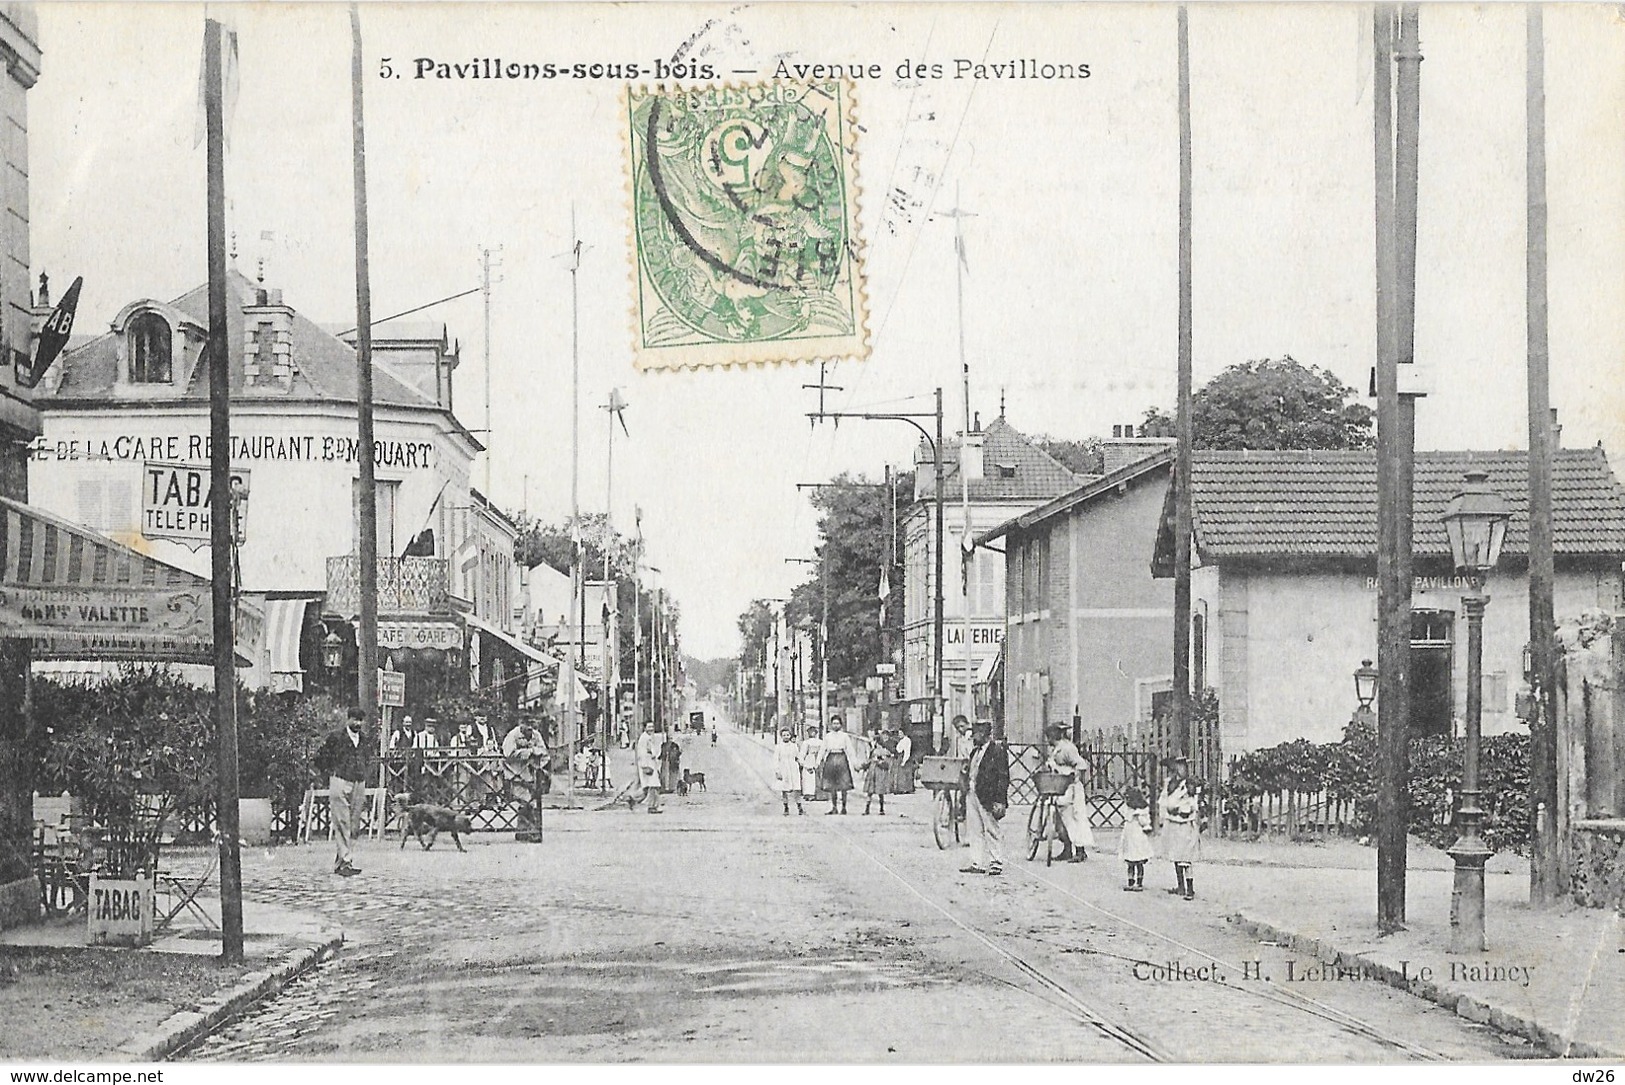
391, 688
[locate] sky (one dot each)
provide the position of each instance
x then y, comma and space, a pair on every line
1070, 291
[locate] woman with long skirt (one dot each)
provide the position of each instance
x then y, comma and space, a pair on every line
835, 770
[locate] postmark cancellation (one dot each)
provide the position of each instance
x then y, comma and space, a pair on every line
745, 236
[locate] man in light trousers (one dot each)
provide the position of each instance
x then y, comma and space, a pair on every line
346, 756
988, 800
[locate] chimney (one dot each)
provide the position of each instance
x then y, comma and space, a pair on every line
1123, 448
1557, 432
268, 341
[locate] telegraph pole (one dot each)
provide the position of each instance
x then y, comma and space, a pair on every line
1183, 425
914, 418
220, 524
966, 546
577, 600
1396, 427
1546, 883
486, 264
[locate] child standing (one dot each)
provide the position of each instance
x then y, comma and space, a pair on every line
786, 770
1135, 846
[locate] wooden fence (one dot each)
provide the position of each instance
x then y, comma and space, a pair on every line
1290, 814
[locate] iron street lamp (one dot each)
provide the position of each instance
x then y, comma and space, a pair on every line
1476, 521
1365, 684
332, 651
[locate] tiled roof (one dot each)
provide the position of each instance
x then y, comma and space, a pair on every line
1013, 467
325, 366
1129, 474
1324, 504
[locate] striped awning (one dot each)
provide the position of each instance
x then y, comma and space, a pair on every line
284, 626
76, 594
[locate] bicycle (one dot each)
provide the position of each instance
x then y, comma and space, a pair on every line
946, 777
1045, 813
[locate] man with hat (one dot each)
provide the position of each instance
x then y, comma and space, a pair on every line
346, 755
1180, 839
988, 800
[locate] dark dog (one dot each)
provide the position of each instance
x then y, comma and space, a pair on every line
693, 780
419, 817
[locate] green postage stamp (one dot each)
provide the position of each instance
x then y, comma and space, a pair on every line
744, 225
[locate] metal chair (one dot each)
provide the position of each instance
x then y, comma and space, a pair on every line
181, 892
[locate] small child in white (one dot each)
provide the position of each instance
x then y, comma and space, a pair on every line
787, 770
1135, 846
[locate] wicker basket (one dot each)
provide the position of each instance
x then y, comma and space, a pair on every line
943, 771
1051, 783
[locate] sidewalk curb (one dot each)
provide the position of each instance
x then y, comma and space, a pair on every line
1456, 999
187, 1026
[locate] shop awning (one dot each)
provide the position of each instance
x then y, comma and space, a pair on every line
76, 594
284, 625
533, 654
582, 693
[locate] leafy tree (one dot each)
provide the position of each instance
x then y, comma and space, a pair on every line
711, 675
1083, 457
855, 527
1279, 404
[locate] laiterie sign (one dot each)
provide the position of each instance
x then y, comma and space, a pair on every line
175, 501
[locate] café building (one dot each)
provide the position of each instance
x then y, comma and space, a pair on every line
124, 451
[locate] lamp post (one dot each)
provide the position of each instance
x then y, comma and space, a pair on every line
1365, 692
1476, 521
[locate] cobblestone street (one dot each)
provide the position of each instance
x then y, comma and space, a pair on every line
722, 931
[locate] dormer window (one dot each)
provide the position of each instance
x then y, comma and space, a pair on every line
151, 346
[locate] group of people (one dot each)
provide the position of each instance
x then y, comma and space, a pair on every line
825, 765
1179, 840
987, 800
348, 758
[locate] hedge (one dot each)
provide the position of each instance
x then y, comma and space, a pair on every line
1346, 771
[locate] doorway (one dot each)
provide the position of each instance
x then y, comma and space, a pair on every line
1432, 659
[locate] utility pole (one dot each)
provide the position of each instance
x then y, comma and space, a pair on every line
220, 525
577, 596
822, 561
966, 546
637, 622
611, 654
486, 264
1546, 883
1184, 429
367, 543
913, 418
1396, 441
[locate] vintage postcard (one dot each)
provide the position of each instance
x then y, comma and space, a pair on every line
810, 533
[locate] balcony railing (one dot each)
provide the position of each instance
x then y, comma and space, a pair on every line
405, 586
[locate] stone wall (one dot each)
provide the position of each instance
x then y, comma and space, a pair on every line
1597, 864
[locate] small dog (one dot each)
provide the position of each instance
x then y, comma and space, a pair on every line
420, 816
693, 780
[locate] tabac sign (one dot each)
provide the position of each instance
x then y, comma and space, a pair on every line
175, 501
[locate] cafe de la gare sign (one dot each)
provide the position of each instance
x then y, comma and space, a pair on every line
245, 448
